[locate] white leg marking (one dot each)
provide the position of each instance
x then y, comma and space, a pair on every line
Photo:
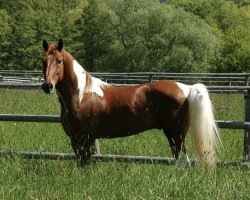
183, 159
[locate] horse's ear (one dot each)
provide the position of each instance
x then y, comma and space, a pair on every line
60, 45
45, 45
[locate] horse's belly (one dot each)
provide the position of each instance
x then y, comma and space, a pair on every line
125, 128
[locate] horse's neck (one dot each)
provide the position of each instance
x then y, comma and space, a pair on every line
76, 83
67, 88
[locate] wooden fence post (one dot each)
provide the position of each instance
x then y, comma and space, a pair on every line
247, 130
150, 78
246, 80
97, 147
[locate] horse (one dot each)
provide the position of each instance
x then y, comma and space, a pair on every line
92, 109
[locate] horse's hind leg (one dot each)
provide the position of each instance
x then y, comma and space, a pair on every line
175, 140
176, 137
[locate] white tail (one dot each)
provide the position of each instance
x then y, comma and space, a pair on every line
202, 123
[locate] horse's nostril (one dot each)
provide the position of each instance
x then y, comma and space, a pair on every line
45, 88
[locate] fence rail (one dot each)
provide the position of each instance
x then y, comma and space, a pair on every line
39, 73
57, 119
112, 158
213, 89
28, 76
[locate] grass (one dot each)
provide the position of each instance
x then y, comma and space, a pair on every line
52, 179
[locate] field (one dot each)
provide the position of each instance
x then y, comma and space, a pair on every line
54, 179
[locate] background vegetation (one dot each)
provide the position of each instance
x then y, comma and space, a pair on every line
54, 179
127, 36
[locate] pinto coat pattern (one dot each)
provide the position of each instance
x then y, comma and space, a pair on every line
91, 108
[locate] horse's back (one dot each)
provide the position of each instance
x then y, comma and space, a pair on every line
165, 88
168, 88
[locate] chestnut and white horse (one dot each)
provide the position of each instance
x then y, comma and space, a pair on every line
92, 109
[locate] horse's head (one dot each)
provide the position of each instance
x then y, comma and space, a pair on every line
52, 66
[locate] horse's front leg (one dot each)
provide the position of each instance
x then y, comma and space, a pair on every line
82, 149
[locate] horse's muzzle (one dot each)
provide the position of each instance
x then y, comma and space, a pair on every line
47, 88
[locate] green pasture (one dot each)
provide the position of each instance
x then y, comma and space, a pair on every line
54, 179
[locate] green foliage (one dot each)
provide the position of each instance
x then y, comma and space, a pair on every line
95, 28
32, 21
128, 36
144, 36
5, 33
231, 24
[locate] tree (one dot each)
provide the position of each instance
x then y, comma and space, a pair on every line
5, 38
128, 36
96, 33
157, 37
31, 22
231, 24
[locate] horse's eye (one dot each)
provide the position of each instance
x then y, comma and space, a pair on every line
59, 60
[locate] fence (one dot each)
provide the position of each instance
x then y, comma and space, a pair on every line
55, 119
223, 79
102, 157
